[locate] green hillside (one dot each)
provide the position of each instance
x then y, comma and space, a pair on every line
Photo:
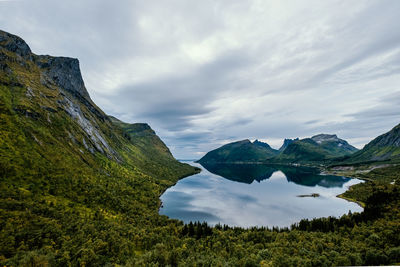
151, 154
318, 148
287, 142
240, 152
384, 147
64, 163
78, 188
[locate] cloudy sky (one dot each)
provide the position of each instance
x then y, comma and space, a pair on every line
204, 73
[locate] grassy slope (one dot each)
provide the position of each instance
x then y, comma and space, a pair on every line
59, 206
384, 147
307, 150
303, 150
53, 188
151, 153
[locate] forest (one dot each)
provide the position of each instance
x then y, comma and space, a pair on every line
78, 227
78, 188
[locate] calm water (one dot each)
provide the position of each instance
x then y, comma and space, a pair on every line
256, 195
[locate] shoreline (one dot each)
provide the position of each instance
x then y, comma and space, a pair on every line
359, 203
196, 171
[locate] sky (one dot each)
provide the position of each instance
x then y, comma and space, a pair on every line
205, 73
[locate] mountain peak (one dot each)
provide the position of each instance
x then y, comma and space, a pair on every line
262, 144
241, 142
239, 152
287, 142
65, 72
325, 137
15, 44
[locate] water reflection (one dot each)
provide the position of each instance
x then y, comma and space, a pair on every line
248, 173
228, 194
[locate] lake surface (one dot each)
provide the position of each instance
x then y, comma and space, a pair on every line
256, 195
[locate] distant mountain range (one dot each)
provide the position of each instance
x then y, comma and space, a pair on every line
319, 148
287, 142
248, 173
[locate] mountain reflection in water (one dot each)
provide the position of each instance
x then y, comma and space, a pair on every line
248, 173
256, 195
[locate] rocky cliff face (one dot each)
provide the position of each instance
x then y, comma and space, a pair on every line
15, 44
61, 76
44, 100
64, 72
64, 165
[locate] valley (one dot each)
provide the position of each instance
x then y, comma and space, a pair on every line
81, 188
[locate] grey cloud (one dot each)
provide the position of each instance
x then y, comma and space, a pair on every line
172, 102
376, 38
254, 56
369, 123
312, 122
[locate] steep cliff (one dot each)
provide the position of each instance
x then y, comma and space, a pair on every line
67, 170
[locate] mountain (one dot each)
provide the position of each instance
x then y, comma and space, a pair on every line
248, 173
45, 103
67, 170
384, 147
317, 148
264, 145
80, 188
240, 152
287, 142
335, 145
243, 173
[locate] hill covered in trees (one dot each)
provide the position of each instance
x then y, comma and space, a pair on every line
80, 188
239, 152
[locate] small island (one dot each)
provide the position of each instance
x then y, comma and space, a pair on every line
310, 195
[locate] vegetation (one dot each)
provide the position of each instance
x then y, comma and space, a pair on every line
383, 148
240, 152
68, 198
318, 149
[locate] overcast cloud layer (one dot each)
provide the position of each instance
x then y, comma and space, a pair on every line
204, 73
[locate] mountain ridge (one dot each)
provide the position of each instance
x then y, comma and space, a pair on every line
319, 147
239, 152
385, 147
287, 142
68, 200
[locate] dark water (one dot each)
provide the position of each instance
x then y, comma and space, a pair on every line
256, 195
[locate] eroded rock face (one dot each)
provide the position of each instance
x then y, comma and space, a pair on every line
15, 44
92, 132
65, 73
